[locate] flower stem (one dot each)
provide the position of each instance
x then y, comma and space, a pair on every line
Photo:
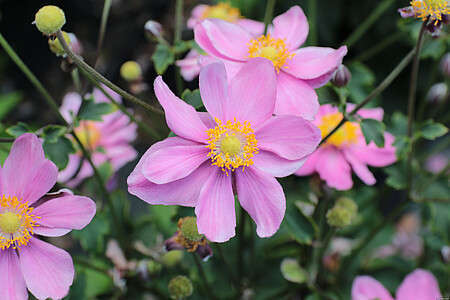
241, 239
218, 249
269, 14
102, 30
87, 68
203, 277
177, 39
312, 11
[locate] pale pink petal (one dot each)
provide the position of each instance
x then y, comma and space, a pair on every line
214, 90
275, 165
253, 93
207, 119
190, 65
48, 271
52, 232
196, 15
295, 97
320, 81
181, 117
313, 62
420, 284
262, 197
372, 154
291, 26
290, 137
99, 96
70, 105
359, 168
367, 288
122, 135
223, 39
334, 169
216, 217
254, 27
71, 168
367, 113
120, 155
309, 166
12, 284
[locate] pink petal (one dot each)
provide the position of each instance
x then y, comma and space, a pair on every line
120, 155
70, 105
71, 168
368, 113
292, 26
309, 166
26, 173
313, 62
320, 81
275, 165
262, 197
420, 284
367, 288
196, 15
207, 119
190, 65
48, 271
372, 154
12, 284
214, 89
181, 117
360, 168
253, 92
223, 39
334, 169
295, 97
216, 217
290, 137
119, 135
254, 27
52, 232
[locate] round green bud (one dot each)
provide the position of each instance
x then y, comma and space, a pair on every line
343, 213
189, 229
56, 47
180, 287
130, 71
172, 258
153, 267
49, 19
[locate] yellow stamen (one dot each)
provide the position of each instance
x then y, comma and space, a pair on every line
232, 145
273, 49
89, 134
222, 11
433, 9
16, 223
346, 135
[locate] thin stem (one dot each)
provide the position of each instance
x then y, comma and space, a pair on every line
241, 240
269, 14
102, 30
87, 68
368, 22
218, 250
312, 10
177, 39
76, 80
203, 277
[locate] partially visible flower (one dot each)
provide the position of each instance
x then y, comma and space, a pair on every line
26, 212
299, 71
341, 77
191, 65
107, 140
226, 12
436, 163
154, 28
346, 149
437, 93
445, 65
419, 284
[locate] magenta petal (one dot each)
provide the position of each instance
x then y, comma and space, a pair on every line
295, 97
180, 116
262, 197
12, 284
313, 62
360, 168
334, 169
290, 137
367, 113
275, 165
71, 168
292, 26
309, 166
70, 105
214, 89
253, 92
48, 270
420, 284
367, 288
49, 231
216, 217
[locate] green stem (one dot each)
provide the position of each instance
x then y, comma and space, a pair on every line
87, 68
203, 277
177, 39
368, 22
219, 251
102, 30
241, 240
268, 14
76, 80
312, 10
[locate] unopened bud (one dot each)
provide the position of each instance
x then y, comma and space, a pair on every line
153, 267
341, 77
49, 19
56, 47
180, 287
437, 93
445, 65
188, 228
131, 71
172, 258
154, 28
343, 213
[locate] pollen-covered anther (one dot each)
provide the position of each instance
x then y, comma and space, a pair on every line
432, 9
273, 49
347, 134
232, 145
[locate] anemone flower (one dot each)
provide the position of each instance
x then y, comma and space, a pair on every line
347, 148
298, 71
26, 211
238, 144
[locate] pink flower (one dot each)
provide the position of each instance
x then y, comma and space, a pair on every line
299, 71
436, 163
27, 211
238, 144
226, 12
108, 140
347, 148
419, 284
190, 65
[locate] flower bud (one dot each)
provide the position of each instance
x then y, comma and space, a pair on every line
341, 77
49, 19
437, 93
131, 71
154, 28
153, 267
445, 65
188, 229
56, 47
180, 287
343, 213
172, 258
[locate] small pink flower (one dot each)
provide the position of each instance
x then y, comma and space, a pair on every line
436, 163
299, 71
108, 140
238, 145
191, 65
346, 149
419, 284
27, 211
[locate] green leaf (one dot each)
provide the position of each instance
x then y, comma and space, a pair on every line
162, 58
182, 46
373, 130
8, 102
300, 227
90, 110
193, 98
51, 133
92, 282
292, 271
362, 82
4, 151
59, 151
397, 176
106, 171
431, 130
18, 129
92, 237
